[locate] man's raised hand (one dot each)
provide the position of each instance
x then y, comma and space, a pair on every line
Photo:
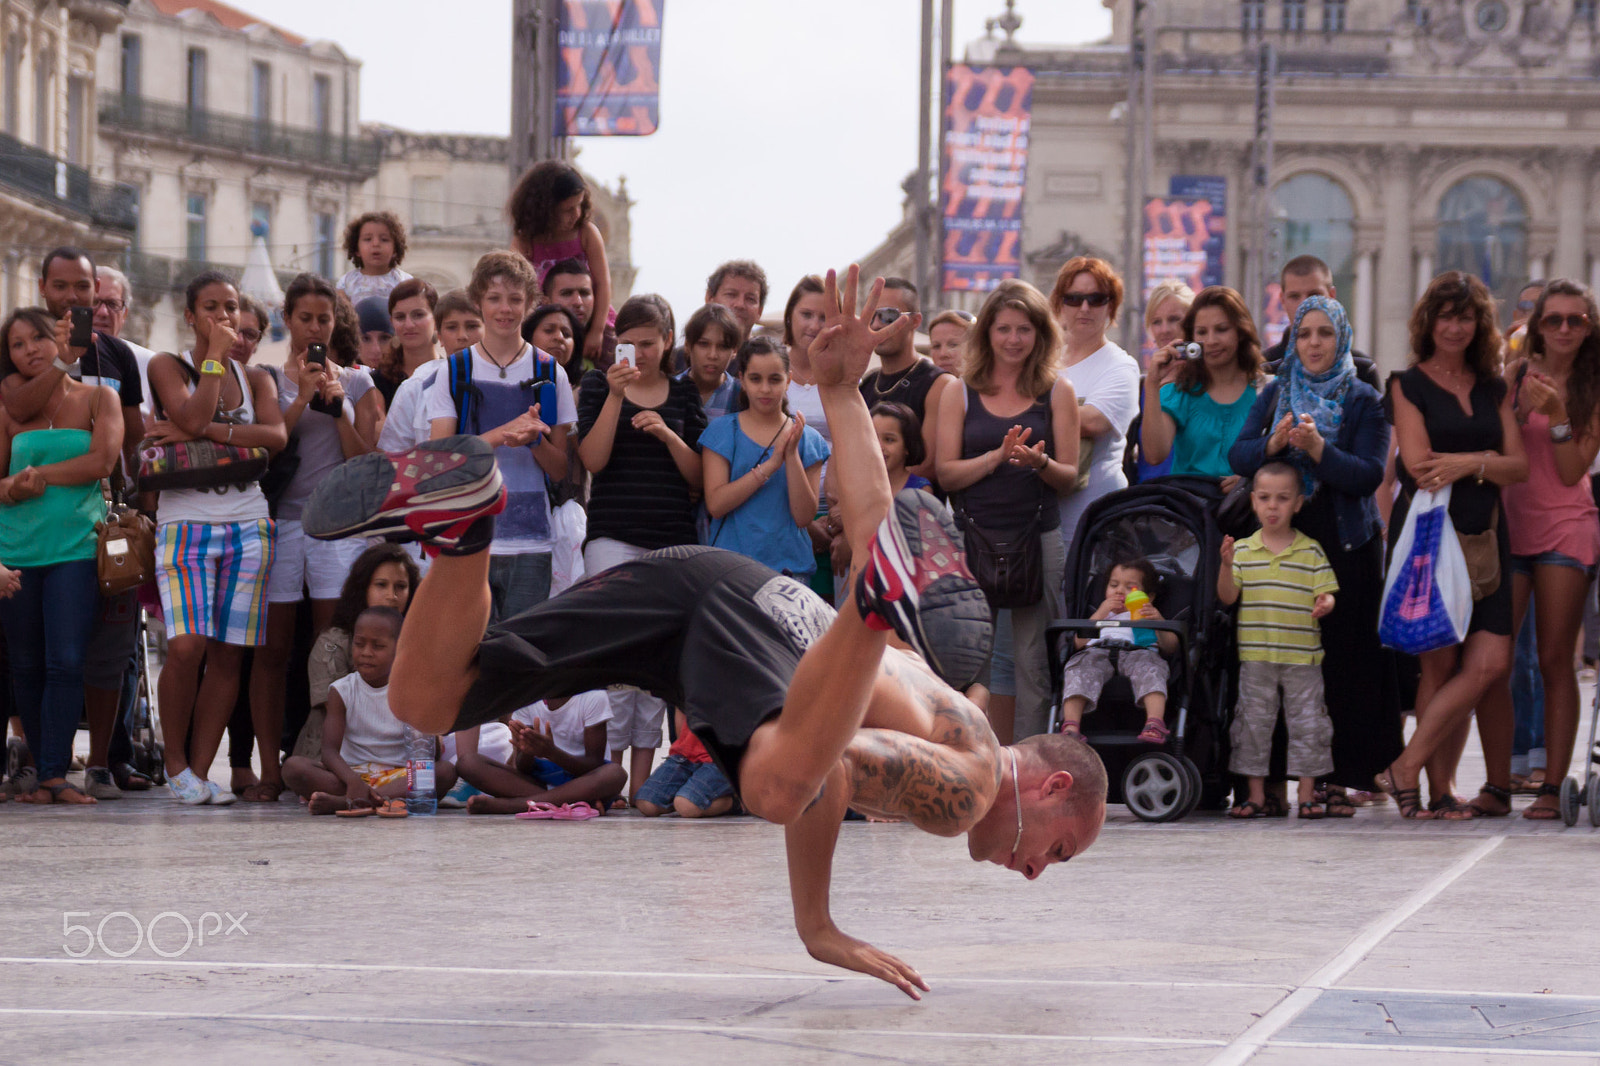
840, 353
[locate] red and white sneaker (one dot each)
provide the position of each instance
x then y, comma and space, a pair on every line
916, 582
432, 492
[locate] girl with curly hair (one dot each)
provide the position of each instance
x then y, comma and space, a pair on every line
376, 243
551, 219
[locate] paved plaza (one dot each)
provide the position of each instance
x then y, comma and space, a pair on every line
252, 935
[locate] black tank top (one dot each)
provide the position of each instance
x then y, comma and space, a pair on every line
1010, 497
910, 387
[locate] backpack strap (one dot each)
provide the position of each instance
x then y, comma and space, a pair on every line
462, 390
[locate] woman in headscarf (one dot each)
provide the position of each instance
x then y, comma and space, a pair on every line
1316, 415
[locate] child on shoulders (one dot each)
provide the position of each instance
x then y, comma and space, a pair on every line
687, 782
376, 243
558, 756
363, 763
1283, 583
1139, 654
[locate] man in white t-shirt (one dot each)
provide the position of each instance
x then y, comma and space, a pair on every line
519, 402
113, 299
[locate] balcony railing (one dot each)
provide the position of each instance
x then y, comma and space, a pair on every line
160, 273
138, 114
66, 187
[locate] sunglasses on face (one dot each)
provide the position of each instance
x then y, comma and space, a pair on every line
1555, 322
1093, 299
886, 316
1526, 305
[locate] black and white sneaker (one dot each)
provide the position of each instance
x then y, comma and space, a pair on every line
916, 582
425, 493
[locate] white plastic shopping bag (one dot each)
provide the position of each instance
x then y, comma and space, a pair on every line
569, 525
1427, 594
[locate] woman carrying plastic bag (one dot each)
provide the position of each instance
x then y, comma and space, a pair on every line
1459, 442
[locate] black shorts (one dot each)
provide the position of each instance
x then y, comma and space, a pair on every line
709, 631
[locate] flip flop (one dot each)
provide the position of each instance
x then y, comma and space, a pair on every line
355, 812
566, 812
393, 808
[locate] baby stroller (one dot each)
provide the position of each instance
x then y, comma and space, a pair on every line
138, 705
1576, 794
1167, 521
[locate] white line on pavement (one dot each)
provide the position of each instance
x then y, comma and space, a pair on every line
1253, 1039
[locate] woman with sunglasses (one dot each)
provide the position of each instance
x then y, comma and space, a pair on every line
1085, 300
1551, 517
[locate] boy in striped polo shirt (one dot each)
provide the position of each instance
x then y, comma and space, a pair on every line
1283, 583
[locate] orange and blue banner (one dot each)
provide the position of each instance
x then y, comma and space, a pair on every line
609, 84
987, 115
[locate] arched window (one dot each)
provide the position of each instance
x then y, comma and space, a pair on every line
1483, 230
1313, 215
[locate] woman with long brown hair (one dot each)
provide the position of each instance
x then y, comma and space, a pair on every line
1196, 413
1552, 519
1007, 453
1456, 428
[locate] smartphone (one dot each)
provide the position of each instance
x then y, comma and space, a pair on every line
82, 327
317, 353
625, 355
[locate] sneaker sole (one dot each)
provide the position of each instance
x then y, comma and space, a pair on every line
350, 500
947, 621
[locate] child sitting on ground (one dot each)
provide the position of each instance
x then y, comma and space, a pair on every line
363, 762
687, 782
1283, 583
1139, 655
558, 756
376, 243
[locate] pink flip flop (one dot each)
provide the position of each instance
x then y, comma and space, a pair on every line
567, 812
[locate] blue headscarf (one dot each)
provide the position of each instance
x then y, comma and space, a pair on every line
1321, 395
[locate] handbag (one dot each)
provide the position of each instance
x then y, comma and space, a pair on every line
1427, 593
124, 551
1007, 564
1482, 552
198, 464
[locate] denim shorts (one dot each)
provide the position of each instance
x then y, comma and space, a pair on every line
1524, 564
702, 784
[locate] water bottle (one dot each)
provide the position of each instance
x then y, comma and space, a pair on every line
420, 797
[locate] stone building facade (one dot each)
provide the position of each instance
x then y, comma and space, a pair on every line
49, 196
1411, 136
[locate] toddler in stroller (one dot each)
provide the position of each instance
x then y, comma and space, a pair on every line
1136, 654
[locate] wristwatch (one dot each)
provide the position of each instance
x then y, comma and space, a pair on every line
1561, 432
211, 368
65, 368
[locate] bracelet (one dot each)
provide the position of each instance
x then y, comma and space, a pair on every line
1483, 462
230, 433
1561, 432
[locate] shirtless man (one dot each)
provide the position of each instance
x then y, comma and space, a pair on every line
806, 713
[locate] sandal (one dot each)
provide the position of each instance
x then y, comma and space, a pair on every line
1336, 804
566, 812
1275, 807
85, 800
1312, 811
1071, 729
1544, 814
394, 808
1409, 800
1500, 795
352, 811
1155, 732
263, 792
1249, 809
130, 780
1529, 785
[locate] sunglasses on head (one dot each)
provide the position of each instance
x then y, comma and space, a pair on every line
1093, 299
1555, 322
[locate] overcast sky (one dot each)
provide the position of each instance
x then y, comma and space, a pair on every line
786, 128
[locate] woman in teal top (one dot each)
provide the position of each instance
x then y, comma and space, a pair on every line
50, 501
1203, 402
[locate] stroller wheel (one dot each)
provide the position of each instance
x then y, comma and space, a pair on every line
1157, 787
1196, 786
1569, 800
1592, 793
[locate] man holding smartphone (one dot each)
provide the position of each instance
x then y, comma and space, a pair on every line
66, 285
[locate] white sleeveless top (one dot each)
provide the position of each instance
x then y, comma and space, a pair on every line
372, 734
226, 503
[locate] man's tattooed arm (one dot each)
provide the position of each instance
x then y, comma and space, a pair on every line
942, 783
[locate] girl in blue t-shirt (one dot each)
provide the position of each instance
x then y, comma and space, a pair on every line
763, 467
1196, 415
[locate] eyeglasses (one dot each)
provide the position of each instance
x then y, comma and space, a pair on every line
1555, 322
114, 306
251, 335
886, 316
1093, 299
1527, 305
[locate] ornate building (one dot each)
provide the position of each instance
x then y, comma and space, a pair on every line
1411, 136
48, 75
